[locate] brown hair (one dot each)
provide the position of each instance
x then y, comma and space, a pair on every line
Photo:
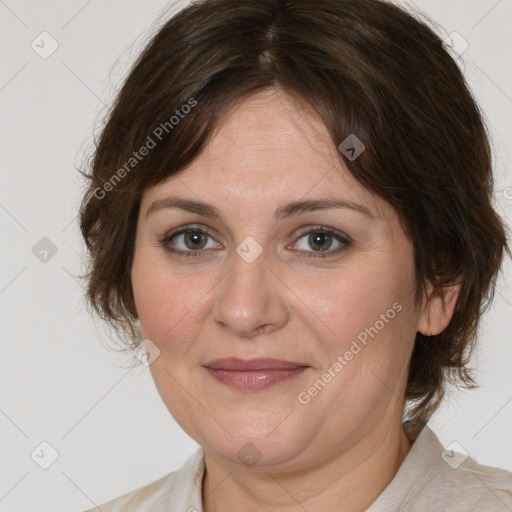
367, 67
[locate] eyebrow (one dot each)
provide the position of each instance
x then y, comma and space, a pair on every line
285, 211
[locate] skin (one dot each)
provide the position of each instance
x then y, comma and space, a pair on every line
340, 450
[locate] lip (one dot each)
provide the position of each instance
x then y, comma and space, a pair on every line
254, 374
234, 363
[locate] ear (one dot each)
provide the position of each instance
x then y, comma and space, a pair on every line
437, 309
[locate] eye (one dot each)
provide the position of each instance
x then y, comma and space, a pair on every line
188, 241
321, 240
196, 241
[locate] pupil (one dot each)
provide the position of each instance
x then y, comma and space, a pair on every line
197, 240
319, 239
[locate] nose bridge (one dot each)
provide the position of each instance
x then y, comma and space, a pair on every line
250, 297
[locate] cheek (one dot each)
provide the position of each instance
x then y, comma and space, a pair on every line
368, 345
354, 300
366, 317
169, 305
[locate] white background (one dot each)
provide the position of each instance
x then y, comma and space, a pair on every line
58, 381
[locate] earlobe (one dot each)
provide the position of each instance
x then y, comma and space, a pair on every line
438, 309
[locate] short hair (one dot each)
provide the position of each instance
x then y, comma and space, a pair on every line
367, 68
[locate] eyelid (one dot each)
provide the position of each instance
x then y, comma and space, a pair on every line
165, 240
345, 240
308, 229
188, 227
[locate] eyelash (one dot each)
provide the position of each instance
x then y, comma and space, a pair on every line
345, 241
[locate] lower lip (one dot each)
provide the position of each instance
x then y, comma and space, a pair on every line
254, 379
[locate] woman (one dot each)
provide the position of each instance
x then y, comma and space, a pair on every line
290, 204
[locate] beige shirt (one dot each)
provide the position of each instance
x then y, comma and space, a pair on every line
430, 479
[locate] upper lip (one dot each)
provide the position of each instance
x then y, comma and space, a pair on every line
233, 363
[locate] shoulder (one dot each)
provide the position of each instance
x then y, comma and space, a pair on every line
477, 486
435, 478
141, 498
458, 482
180, 489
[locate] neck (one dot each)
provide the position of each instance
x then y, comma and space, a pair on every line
353, 479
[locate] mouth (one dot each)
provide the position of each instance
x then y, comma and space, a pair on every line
254, 374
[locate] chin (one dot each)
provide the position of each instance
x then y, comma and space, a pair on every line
253, 446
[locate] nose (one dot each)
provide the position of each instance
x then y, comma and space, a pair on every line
251, 299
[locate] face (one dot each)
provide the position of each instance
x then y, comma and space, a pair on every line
328, 287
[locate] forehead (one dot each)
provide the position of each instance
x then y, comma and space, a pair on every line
268, 131
268, 148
